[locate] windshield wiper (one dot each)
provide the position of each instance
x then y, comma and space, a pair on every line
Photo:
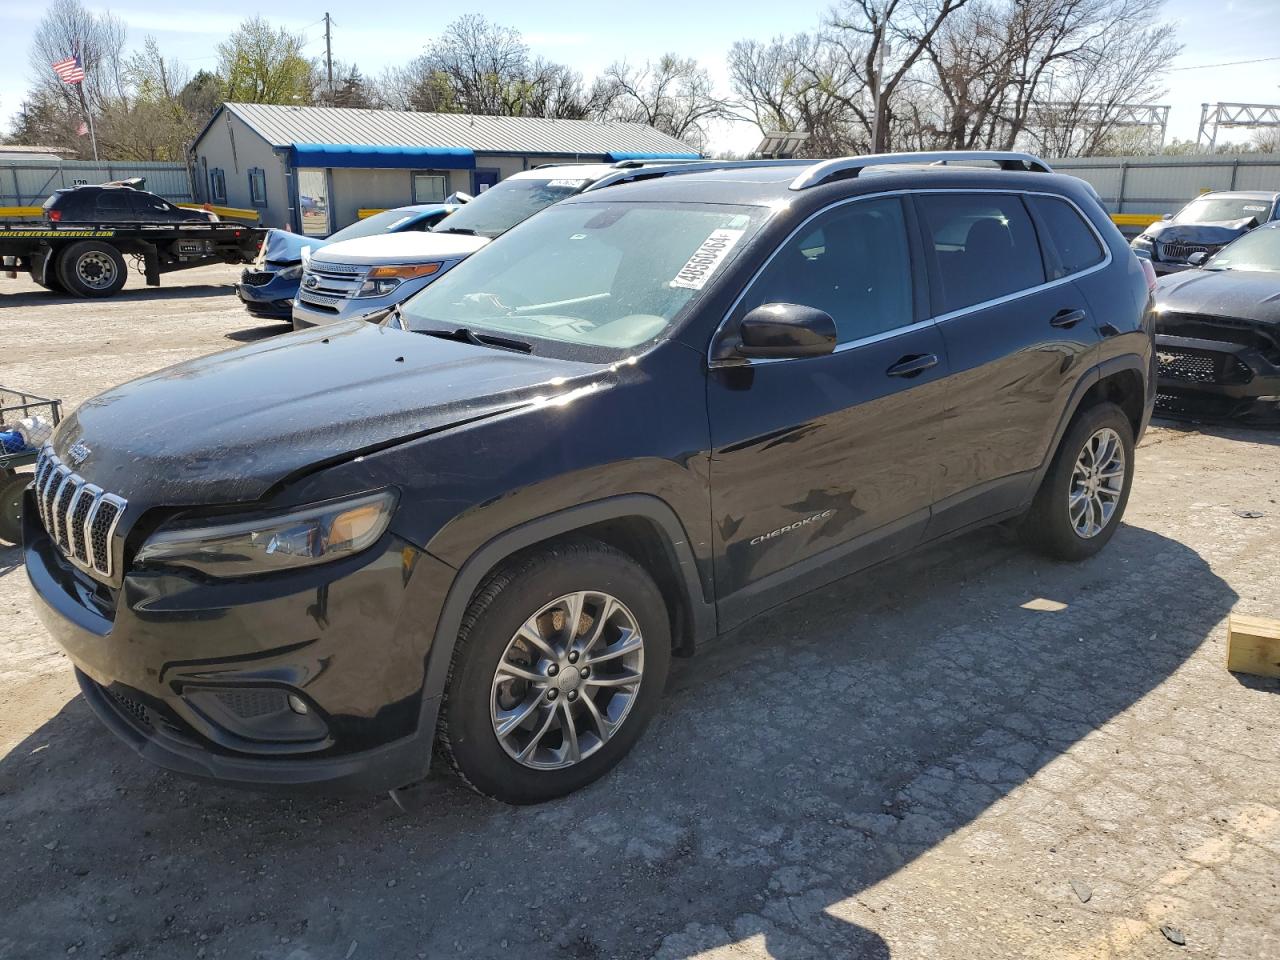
467, 335
465, 231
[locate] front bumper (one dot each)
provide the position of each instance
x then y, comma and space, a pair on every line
1216, 379
194, 676
273, 299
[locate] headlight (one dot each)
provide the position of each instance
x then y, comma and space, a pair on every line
383, 280
301, 538
290, 273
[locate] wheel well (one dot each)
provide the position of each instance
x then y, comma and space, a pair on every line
641, 540
1125, 389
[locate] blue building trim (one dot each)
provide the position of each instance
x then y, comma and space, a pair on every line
618, 155
381, 157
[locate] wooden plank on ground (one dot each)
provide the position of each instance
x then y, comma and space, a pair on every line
1253, 645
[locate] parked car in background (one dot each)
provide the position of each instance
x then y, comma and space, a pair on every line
634, 421
268, 287
368, 276
1205, 225
1218, 332
120, 202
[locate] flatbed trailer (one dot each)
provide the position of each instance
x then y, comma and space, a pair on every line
88, 260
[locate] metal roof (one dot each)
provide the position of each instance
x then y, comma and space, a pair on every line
285, 126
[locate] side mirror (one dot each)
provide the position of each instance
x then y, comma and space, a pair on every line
1166, 216
775, 330
1198, 258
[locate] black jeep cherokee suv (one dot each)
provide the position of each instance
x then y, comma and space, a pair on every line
626, 426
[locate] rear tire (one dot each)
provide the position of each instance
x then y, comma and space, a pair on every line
1083, 496
91, 268
581, 696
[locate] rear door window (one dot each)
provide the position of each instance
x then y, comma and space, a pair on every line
984, 247
1070, 246
114, 205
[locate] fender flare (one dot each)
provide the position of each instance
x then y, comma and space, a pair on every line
492, 553
1096, 374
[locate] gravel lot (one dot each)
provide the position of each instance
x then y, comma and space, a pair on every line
909, 764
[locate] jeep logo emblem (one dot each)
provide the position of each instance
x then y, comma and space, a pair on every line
78, 452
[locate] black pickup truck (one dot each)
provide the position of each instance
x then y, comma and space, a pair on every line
80, 248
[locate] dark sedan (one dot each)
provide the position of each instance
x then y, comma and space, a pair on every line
1218, 332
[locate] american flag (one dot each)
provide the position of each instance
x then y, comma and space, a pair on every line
70, 70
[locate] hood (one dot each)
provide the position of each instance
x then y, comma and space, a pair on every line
1212, 234
1242, 294
408, 247
281, 246
227, 427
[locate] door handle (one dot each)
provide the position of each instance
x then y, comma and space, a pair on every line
913, 365
1066, 319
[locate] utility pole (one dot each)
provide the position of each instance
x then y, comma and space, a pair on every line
328, 55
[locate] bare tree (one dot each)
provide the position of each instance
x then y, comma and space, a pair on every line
66, 28
794, 84
672, 94
883, 40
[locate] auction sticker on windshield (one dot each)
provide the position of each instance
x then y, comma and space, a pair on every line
706, 259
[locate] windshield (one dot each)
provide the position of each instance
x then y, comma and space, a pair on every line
1259, 250
1222, 210
384, 222
609, 275
501, 207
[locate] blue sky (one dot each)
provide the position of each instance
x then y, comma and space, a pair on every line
588, 36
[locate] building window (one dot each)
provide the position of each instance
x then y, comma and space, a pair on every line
430, 186
217, 185
258, 187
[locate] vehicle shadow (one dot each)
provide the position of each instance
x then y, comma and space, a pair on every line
796, 764
254, 334
1247, 432
139, 293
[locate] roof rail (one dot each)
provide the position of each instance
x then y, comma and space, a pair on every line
843, 168
668, 168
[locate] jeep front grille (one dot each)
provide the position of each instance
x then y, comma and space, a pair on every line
80, 517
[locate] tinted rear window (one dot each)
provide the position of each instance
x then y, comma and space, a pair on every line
1071, 246
114, 205
984, 245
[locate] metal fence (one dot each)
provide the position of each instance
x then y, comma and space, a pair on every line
26, 183
1159, 185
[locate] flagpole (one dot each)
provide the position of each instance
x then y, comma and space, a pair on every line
84, 105
89, 120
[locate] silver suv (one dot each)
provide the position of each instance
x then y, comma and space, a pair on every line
366, 276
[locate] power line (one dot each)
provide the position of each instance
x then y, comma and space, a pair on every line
1231, 63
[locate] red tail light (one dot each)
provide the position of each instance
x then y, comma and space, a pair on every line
1150, 273
55, 215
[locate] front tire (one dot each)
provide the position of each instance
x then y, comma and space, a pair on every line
559, 666
1083, 496
92, 269
12, 487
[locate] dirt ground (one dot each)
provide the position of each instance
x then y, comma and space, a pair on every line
909, 764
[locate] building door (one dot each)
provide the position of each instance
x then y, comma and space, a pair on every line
313, 202
482, 180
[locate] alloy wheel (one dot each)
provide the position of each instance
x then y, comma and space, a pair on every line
1097, 483
567, 680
